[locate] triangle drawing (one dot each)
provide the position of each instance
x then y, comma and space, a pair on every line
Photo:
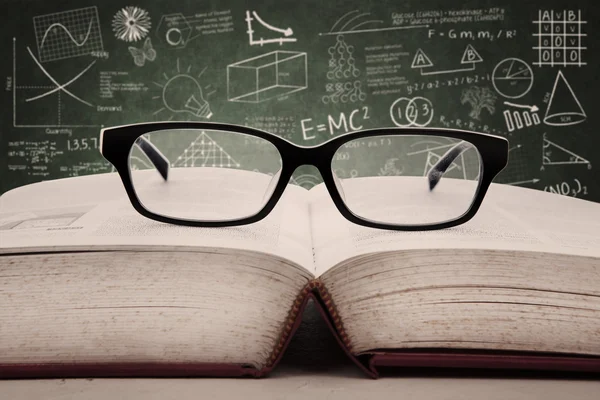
563, 108
558, 155
205, 152
433, 159
421, 60
470, 56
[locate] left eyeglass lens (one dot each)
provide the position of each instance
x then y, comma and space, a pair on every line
203, 175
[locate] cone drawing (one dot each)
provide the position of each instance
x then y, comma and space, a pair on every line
563, 108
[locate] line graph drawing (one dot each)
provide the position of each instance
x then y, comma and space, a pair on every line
553, 154
75, 42
30, 94
205, 152
59, 87
350, 23
253, 16
68, 34
470, 57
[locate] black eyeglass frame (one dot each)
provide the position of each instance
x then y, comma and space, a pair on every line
116, 144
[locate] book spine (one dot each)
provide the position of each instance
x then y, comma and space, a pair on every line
292, 321
332, 310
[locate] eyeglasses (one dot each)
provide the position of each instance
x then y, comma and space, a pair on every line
219, 175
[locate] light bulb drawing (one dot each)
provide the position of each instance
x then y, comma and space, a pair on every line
183, 95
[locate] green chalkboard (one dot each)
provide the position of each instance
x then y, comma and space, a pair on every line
306, 71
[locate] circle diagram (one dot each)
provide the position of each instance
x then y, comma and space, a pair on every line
406, 112
512, 78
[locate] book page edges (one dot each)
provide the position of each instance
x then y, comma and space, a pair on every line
314, 290
369, 362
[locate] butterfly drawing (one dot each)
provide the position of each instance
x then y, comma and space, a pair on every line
140, 56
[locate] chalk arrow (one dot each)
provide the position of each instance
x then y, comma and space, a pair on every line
523, 182
530, 108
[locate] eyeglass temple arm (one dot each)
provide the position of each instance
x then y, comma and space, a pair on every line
438, 170
160, 162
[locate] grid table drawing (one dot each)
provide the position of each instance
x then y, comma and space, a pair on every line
68, 34
560, 38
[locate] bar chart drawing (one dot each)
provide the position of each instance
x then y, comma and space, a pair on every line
519, 119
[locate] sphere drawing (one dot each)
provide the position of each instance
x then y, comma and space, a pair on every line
131, 24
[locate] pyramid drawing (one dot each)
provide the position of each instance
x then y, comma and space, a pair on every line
563, 108
205, 152
471, 56
553, 154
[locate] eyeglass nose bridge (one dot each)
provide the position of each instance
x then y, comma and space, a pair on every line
321, 160
318, 157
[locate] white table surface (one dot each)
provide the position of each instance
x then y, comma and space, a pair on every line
296, 384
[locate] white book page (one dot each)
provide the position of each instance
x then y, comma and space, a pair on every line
94, 213
510, 218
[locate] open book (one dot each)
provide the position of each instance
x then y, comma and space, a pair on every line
89, 287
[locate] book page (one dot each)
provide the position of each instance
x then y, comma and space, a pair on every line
94, 213
510, 218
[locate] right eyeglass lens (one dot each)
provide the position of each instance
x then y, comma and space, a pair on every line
213, 175
407, 179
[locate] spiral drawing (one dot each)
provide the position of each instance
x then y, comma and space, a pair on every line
131, 24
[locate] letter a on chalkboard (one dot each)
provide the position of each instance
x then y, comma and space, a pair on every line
421, 60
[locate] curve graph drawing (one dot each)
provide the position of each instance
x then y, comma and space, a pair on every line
68, 34
75, 42
46, 97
